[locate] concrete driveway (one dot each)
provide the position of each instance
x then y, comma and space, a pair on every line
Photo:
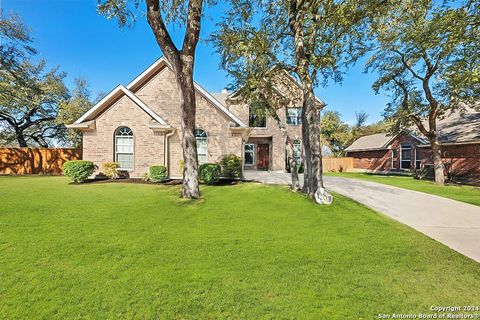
453, 223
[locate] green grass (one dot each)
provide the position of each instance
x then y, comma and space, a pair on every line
109, 251
461, 193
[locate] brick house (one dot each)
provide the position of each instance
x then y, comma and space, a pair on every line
138, 125
459, 136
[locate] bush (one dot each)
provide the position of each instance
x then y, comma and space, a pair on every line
78, 170
231, 166
110, 169
158, 173
209, 173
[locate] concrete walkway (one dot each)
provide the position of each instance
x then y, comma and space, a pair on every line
453, 223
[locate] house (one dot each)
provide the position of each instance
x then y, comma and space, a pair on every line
459, 137
138, 125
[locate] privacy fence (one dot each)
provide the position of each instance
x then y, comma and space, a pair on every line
36, 161
337, 164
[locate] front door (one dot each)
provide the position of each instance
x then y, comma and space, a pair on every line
263, 156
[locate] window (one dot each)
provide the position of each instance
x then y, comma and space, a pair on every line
405, 156
202, 146
249, 153
294, 116
297, 151
257, 117
124, 148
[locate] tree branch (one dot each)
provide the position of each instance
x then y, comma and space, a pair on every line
192, 32
405, 107
155, 20
406, 65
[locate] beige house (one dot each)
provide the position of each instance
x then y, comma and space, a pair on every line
138, 125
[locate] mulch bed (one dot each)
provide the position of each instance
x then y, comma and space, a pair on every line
170, 182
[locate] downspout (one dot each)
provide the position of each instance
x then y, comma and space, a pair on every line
165, 150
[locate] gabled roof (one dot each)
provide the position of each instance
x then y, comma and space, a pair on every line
379, 141
220, 97
289, 76
111, 97
163, 62
370, 142
458, 127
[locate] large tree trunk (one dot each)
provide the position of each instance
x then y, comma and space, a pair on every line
438, 165
184, 76
311, 140
20, 139
182, 62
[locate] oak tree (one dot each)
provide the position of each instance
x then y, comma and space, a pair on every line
309, 39
426, 56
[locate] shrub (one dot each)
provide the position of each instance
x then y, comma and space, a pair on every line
231, 166
158, 173
78, 170
209, 173
145, 177
110, 169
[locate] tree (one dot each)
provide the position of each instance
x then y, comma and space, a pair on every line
334, 132
310, 39
426, 55
70, 110
29, 95
29, 99
15, 43
159, 14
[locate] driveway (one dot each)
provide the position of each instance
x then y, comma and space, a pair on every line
453, 223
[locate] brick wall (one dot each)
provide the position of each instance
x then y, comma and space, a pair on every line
271, 133
462, 162
161, 94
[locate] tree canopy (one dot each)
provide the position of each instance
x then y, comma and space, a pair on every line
426, 56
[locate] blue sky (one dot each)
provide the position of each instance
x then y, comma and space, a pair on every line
71, 34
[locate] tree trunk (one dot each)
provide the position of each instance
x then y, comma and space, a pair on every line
20, 139
311, 141
293, 164
438, 165
184, 76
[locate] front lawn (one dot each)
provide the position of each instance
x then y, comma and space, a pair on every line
250, 251
461, 193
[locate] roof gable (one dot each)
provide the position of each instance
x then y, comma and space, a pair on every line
379, 141
278, 84
112, 97
161, 63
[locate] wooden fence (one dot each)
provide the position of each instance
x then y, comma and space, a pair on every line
36, 161
337, 164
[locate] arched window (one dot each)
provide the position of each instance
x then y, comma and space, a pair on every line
202, 145
124, 148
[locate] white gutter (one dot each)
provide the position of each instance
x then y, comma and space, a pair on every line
165, 150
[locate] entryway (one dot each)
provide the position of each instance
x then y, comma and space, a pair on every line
263, 156
257, 154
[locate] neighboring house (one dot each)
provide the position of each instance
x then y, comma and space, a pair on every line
138, 125
459, 137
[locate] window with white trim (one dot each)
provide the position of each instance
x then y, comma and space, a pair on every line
249, 154
294, 116
405, 156
202, 146
124, 148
